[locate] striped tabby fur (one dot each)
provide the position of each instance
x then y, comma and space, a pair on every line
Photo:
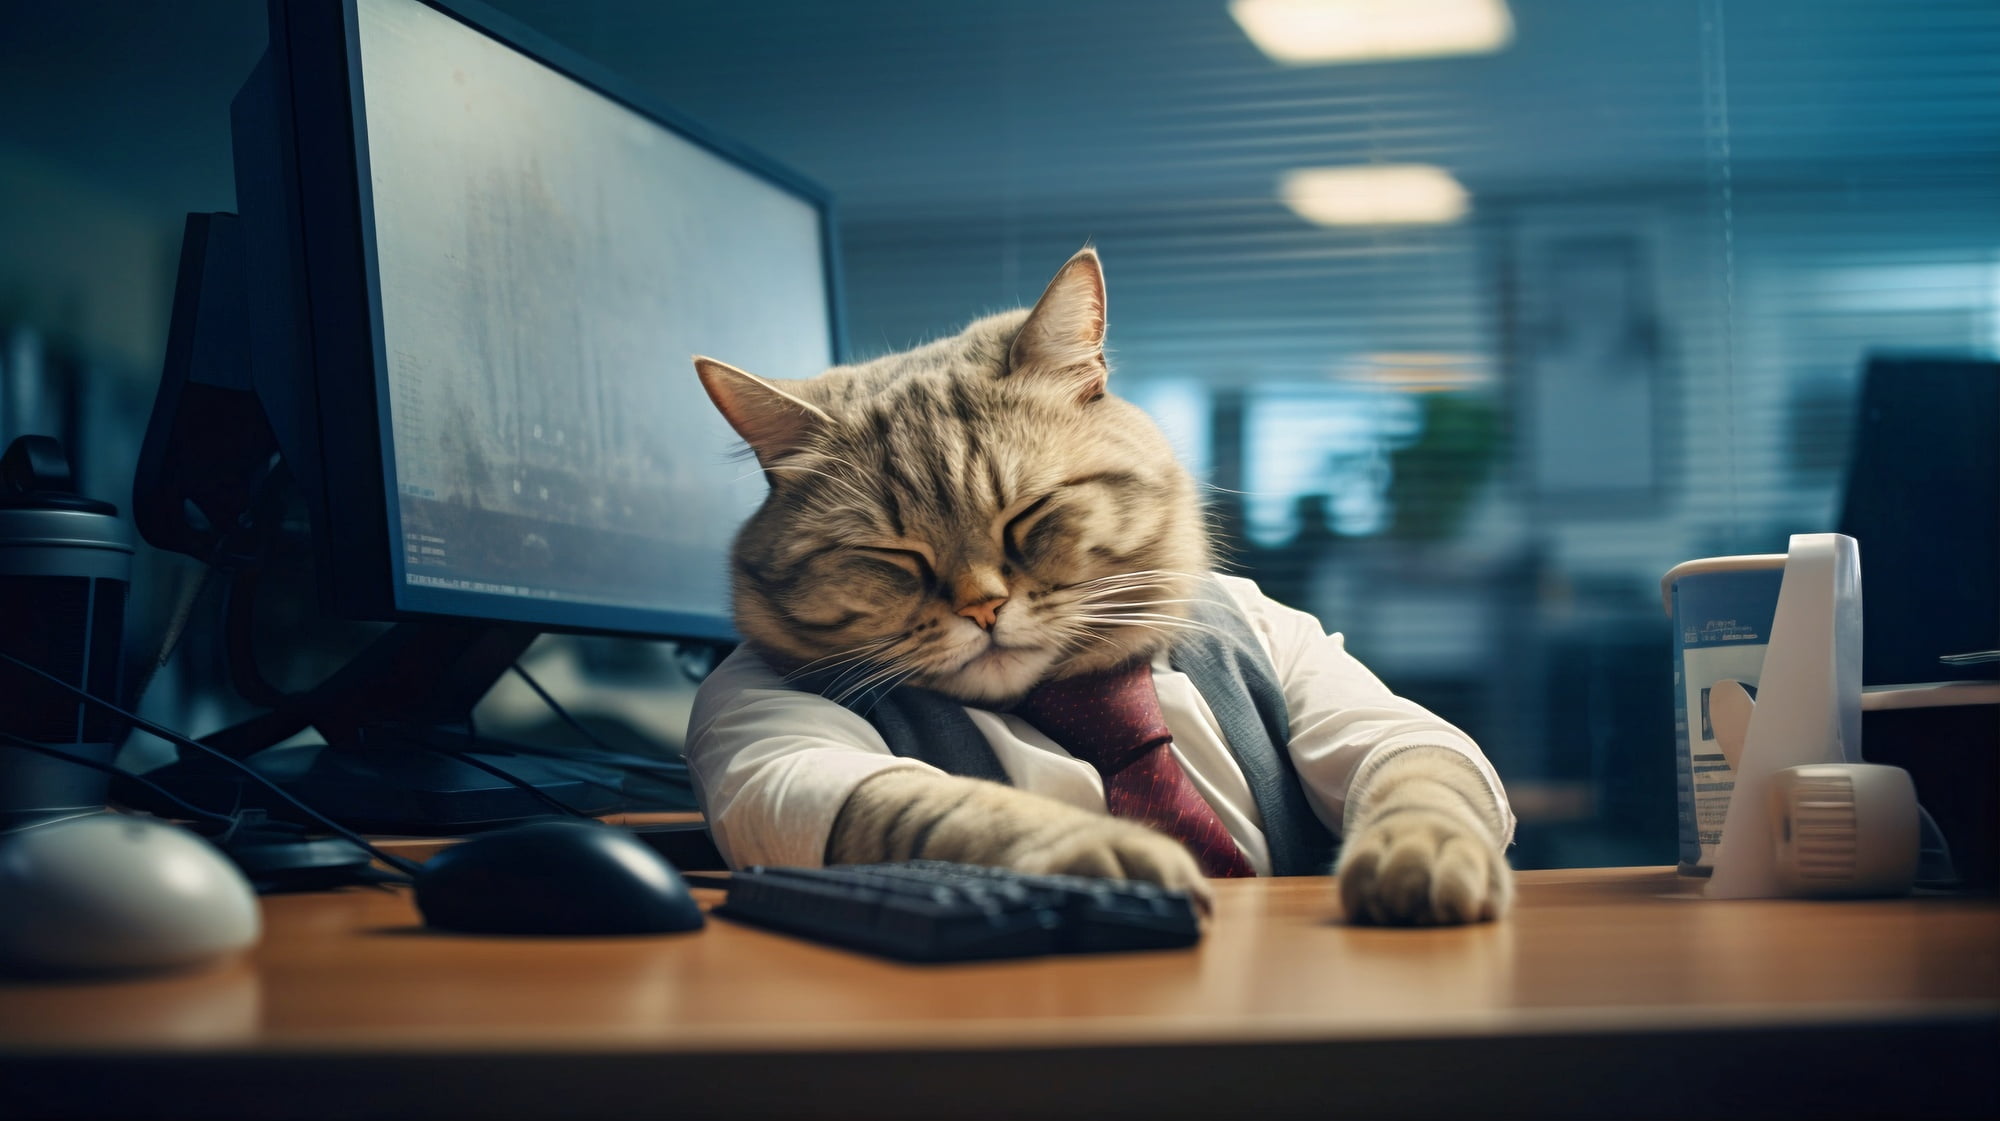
978, 515
986, 476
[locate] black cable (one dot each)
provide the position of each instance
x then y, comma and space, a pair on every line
614, 756
177, 625
407, 867
185, 806
664, 769
472, 745
558, 709
530, 788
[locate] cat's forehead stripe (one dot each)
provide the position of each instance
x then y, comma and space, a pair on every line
941, 480
1111, 478
893, 509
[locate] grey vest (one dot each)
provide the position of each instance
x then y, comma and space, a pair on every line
1232, 673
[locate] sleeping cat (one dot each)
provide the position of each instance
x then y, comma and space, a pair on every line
971, 523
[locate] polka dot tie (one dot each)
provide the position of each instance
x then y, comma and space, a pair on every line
1112, 721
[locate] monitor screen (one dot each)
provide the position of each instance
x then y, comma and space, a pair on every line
545, 259
1923, 499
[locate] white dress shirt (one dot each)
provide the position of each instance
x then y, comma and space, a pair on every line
773, 765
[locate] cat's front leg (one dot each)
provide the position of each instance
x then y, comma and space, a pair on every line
1423, 844
922, 815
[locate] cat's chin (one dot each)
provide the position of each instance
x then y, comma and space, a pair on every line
999, 676
996, 677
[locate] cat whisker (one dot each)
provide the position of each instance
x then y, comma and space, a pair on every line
1137, 572
823, 665
856, 669
878, 689
853, 471
842, 657
1115, 594
1148, 627
841, 461
844, 671
860, 648
846, 485
1075, 642
1122, 589
1148, 576
859, 678
1136, 611
774, 468
840, 694
1151, 621
898, 668
888, 689
1141, 603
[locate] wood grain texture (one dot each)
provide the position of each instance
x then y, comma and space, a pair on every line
1609, 958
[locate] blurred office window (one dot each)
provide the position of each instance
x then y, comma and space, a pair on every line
1472, 446
1628, 259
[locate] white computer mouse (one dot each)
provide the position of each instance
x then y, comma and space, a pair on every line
110, 893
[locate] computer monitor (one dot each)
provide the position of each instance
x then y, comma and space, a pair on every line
457, 306
509, 261
1922, 497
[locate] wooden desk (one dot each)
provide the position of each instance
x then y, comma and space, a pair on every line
1610, 992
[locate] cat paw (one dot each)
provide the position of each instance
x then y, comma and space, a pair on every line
1420, 867
1112, 849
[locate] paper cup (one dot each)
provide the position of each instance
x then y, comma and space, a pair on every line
1721, 609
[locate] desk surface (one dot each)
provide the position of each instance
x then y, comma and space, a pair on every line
1608, 991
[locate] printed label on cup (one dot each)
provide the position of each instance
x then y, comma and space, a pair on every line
1722, 609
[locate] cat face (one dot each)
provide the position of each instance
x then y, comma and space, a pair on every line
973, 516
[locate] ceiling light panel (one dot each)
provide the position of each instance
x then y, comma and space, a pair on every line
1308, 32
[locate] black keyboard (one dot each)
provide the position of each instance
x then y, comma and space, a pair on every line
930, 910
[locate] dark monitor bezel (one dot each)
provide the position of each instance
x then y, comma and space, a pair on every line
319, 54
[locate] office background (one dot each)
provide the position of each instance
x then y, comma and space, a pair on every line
1471, 445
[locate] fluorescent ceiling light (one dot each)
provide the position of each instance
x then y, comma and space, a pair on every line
1419, 371
1374, 195
1309, 31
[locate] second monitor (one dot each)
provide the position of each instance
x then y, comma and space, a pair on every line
472, 271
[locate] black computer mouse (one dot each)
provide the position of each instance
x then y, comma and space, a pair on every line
555, 877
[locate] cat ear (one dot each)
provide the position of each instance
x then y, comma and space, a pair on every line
1064, 336
773, 422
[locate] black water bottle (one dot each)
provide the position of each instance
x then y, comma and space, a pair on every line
65, 565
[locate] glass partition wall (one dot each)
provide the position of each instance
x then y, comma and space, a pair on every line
1476, 317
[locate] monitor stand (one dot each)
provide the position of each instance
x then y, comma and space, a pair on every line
400, 790
395, 743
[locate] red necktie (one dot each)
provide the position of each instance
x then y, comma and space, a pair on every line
1112, 721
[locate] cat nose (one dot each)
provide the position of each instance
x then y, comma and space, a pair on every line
985, 614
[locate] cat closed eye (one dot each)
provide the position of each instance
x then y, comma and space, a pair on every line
915, 562
838, 622
892, 571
